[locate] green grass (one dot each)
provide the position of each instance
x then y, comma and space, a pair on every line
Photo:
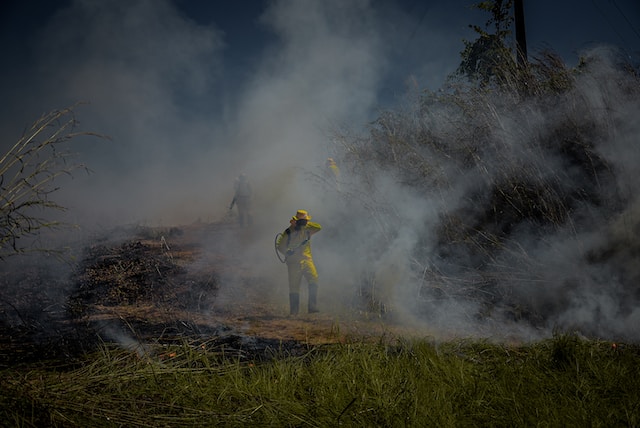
564, 381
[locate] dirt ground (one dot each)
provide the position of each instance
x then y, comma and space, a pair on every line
160, 286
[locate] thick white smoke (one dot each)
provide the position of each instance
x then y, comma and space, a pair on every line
460, 176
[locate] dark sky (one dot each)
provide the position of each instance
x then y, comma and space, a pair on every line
566, 27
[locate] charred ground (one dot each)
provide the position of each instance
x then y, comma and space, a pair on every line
151, 287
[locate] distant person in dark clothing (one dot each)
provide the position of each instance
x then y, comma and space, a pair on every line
242, 199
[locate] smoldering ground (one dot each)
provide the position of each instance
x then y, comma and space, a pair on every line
180, 134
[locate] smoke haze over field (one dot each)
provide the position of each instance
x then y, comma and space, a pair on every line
183, 122
185, 119
181, 126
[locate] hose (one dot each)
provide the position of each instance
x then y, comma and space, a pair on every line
291, 250
276, 247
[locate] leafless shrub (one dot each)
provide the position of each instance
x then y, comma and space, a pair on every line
28, 174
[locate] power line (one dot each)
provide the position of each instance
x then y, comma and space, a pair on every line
633, 28
417, 26
613, 27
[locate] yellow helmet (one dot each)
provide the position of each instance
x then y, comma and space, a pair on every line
301, 215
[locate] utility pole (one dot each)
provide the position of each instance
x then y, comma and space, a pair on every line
521, 38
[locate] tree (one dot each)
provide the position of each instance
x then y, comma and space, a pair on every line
28, 172
489, 57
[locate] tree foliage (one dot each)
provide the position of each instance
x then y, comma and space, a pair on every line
489, 56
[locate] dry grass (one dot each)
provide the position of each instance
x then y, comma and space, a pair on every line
564, 381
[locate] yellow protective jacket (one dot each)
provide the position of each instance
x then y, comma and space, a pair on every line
334, 170
296, 244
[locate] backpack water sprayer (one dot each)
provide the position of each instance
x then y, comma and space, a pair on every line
291, 250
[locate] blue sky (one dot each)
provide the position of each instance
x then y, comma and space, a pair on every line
565, 26
425, 36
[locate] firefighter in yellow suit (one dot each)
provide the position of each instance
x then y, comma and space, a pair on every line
333, 172
295, 244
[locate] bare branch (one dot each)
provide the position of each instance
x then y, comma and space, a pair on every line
28, 171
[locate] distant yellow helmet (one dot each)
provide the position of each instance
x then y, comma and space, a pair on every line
301, 215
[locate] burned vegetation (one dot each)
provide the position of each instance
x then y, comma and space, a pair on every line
132, 272
126, 284
140, 271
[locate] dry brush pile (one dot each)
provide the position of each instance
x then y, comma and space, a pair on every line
47, 308
526, 191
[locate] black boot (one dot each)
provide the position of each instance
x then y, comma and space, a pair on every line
313, 298
294, 303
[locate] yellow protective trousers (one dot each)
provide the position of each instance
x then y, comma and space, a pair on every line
298, 269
